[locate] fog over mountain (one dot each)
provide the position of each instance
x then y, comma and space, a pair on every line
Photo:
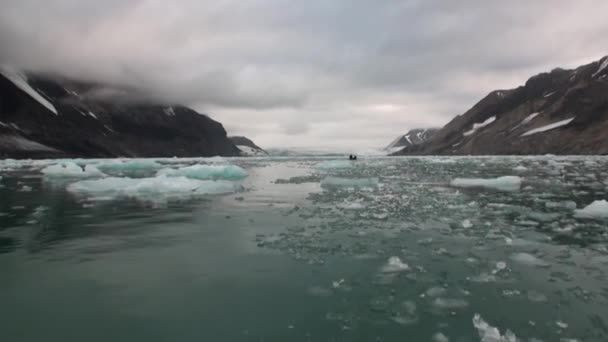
314, 73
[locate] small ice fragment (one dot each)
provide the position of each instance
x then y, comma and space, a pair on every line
450, 303
520, 168
506, 183
395, 264
337, 284
528, 260
439, 337
130, 165
467, 223
488, 333
501, 265
561, 324
536, 297
435, 291
595, 210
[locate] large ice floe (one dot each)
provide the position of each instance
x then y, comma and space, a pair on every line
506, 183
231, 172
154, 188
71, 170
595, 210
339, 182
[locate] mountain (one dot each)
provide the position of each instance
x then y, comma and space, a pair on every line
560, 112
411, 138
50, 117
247, 146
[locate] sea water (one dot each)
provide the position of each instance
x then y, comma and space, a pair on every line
437, 249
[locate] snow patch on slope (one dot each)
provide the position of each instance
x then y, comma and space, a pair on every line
603, 66
250, 151
20, 80
479, 125
548, 127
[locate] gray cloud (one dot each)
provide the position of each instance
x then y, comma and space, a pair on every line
317, 72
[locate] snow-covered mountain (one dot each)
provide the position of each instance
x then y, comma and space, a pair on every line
47, 117
247, 146
560, 112
411, 138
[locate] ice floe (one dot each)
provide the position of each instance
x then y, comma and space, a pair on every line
506, 183
153, 189
439, 337
231, 172
71, 170
595, 210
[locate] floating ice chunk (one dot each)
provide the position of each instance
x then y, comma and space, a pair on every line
488, 333
506, 183
439, 337
548, 127
467, 224
231, 172
334, 164
520, 168
477, 126
351, 205
561, 324
561, 205
71, 170
528, 260
132, 165
154, 189
338, 182
395, 264
595, 210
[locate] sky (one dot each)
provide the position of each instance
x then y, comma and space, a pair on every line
316, 73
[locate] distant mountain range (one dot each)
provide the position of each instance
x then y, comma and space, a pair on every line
51, 117
560, 112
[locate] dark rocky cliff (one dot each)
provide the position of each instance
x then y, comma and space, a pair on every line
48, 117
560, 112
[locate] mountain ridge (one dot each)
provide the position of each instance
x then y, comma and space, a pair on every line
558, 112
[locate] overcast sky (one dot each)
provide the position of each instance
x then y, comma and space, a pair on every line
313, 73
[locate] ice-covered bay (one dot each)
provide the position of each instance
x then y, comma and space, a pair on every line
294, 248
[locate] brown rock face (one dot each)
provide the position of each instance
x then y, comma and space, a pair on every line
560, 112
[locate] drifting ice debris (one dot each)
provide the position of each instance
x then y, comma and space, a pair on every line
394, 264
506, 183
520, 168
467, 224
71, 170
231, 172
595, 210
450, 303
153, 189
338, 182
334, 164
488, 333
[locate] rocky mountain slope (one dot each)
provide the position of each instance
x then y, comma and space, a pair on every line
247, 146
411, 138
560, 112
48, 117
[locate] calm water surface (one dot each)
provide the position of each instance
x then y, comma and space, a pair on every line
303, 249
